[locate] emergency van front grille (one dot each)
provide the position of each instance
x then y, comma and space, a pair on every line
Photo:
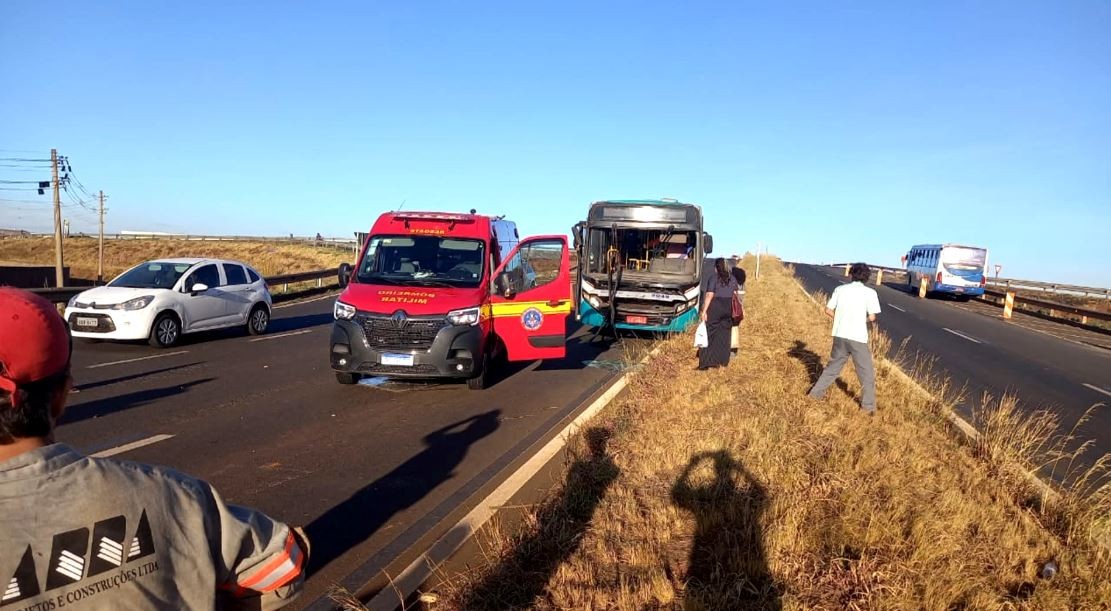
386, 333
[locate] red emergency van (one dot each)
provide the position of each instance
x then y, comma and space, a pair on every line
444, 295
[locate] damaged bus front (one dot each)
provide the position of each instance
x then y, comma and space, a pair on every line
640, 262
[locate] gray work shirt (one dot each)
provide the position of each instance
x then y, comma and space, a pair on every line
95, 533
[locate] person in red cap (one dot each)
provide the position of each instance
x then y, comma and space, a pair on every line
97, 533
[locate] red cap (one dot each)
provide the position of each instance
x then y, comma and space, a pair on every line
34, 340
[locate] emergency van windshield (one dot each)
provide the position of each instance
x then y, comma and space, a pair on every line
423, 261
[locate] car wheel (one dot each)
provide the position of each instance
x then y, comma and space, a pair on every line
482, 380
258, 320
166, 331
344, 377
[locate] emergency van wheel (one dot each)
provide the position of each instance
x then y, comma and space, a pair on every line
480, 381
344, 377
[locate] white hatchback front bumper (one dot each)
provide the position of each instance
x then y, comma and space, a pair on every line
110, 324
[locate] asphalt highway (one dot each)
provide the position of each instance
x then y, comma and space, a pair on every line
367, 470
987, 354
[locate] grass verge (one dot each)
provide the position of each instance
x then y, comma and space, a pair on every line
729, 489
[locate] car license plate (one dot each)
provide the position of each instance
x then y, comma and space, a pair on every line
960, 289
83, 321
636, 320
401, 360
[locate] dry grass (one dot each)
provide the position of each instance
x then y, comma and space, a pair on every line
729, 489
269, 258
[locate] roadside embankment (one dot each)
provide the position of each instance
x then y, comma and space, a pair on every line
729, 489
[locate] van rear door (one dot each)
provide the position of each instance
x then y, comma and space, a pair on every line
532, 298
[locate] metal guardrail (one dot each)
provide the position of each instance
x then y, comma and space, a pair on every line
63, 295
344, 243
1054, 309
1050, 287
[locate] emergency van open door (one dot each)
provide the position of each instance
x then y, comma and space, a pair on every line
532, 299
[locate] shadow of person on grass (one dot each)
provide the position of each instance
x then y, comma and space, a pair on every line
808, 358
728, 568
559, 526
353, 521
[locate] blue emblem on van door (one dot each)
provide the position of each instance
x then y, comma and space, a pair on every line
532, 319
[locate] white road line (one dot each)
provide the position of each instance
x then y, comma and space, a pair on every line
959, 334
1098, 389
127, 447
280, 335
891, 305
135, 360
299, 302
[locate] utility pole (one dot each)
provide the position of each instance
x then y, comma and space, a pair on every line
100, 244
59, 276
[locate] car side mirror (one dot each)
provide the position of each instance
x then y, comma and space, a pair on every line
199, 287
344, 274
707, 243
505, 287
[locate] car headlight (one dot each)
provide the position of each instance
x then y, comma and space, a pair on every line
342, 311
72, 300
466, 316
135, 304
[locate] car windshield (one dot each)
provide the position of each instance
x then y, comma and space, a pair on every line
152, 275
423, 261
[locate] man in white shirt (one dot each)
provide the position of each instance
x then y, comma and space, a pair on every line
852, 306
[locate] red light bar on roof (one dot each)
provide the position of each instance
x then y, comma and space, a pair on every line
434, 216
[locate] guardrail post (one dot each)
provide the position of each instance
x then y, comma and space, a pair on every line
879, 277
846, 270
1083, 320
319, 282
1008, 304
285, 288
922, 288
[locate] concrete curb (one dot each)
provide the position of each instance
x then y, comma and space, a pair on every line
424, 566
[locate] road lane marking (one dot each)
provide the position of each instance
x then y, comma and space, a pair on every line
280, 335
959, 334
127, 447
304, 301
135, 360
1098, 389
897, 308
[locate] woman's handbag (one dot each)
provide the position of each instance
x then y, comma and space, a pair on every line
738, 310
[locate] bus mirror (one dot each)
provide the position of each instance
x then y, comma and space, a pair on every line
344, 275
707, 243
577, 234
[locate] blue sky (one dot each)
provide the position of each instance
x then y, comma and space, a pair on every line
830, 131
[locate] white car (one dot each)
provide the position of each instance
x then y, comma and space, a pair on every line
160, 300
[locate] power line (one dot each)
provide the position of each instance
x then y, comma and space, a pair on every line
23, 159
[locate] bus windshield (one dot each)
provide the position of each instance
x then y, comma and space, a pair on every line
414, 260
652, 250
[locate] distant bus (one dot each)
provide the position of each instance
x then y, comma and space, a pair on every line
948, 268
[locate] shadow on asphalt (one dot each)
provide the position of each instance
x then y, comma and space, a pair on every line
293, 323
353, 521
91, 385
77, 412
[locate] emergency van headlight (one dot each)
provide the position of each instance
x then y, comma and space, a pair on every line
466, 316
342, 311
